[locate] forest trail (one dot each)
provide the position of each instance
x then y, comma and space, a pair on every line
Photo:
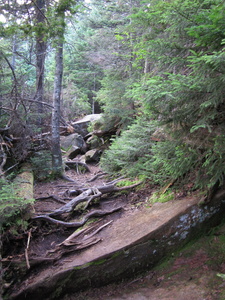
190, 275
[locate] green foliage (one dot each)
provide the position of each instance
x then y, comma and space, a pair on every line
221, 275
120, 108
75, 102
161, 197
171, 161
42, 165
126, 153
183, 91
126, 182
162, 66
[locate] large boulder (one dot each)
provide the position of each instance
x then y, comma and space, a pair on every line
91, 156
73, 144
81, 126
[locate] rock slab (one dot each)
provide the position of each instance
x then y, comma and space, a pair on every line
135, 242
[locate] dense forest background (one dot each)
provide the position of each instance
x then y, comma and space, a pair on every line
154, 69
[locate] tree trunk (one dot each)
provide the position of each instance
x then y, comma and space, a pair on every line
40, 59
56, 150
1, 272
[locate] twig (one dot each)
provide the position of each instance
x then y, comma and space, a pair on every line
26, 250
97, 230
10, 168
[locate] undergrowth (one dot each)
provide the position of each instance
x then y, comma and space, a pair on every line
12, 206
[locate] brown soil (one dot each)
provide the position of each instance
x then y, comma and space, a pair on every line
130, 201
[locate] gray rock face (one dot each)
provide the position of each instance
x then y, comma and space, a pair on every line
133, 243
91, 156
73, 144
82, 125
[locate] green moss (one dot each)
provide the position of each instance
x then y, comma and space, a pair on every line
61, 287
165, 197
93, 263
126, 182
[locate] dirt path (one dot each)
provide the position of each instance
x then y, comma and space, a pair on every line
190, 274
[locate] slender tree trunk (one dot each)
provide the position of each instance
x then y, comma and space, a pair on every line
56, 150
40, 59
13, 63
1, 271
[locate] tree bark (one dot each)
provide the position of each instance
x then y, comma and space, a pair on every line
56, 150
40, 58
1, 270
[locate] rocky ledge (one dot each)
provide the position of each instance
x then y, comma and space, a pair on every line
134, 243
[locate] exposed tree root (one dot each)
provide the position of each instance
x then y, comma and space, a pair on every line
86, 196
86, 233
104, 189
76, 241
99, 175
52, 197
67, 178
79, 240
95, 213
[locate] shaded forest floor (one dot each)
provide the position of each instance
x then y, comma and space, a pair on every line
191, 273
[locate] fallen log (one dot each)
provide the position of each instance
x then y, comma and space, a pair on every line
24, 186
24, 182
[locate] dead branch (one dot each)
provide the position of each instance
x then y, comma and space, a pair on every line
26, 250
3, 156
97, 230
95, 213
79, 240
85, 232
59, 252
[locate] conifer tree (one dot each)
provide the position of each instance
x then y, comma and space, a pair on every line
183, 90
